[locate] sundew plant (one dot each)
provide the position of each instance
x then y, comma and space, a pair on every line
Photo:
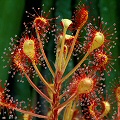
76, 93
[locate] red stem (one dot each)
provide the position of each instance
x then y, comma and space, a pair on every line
56, 98
118, 114
37, 89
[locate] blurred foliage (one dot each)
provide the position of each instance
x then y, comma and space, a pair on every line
12, 16
10, 25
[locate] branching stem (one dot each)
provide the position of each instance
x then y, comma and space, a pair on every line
71, 49
75, 68
44, 55
62, 49
24, 111
41, 77
61, 106
36, 88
